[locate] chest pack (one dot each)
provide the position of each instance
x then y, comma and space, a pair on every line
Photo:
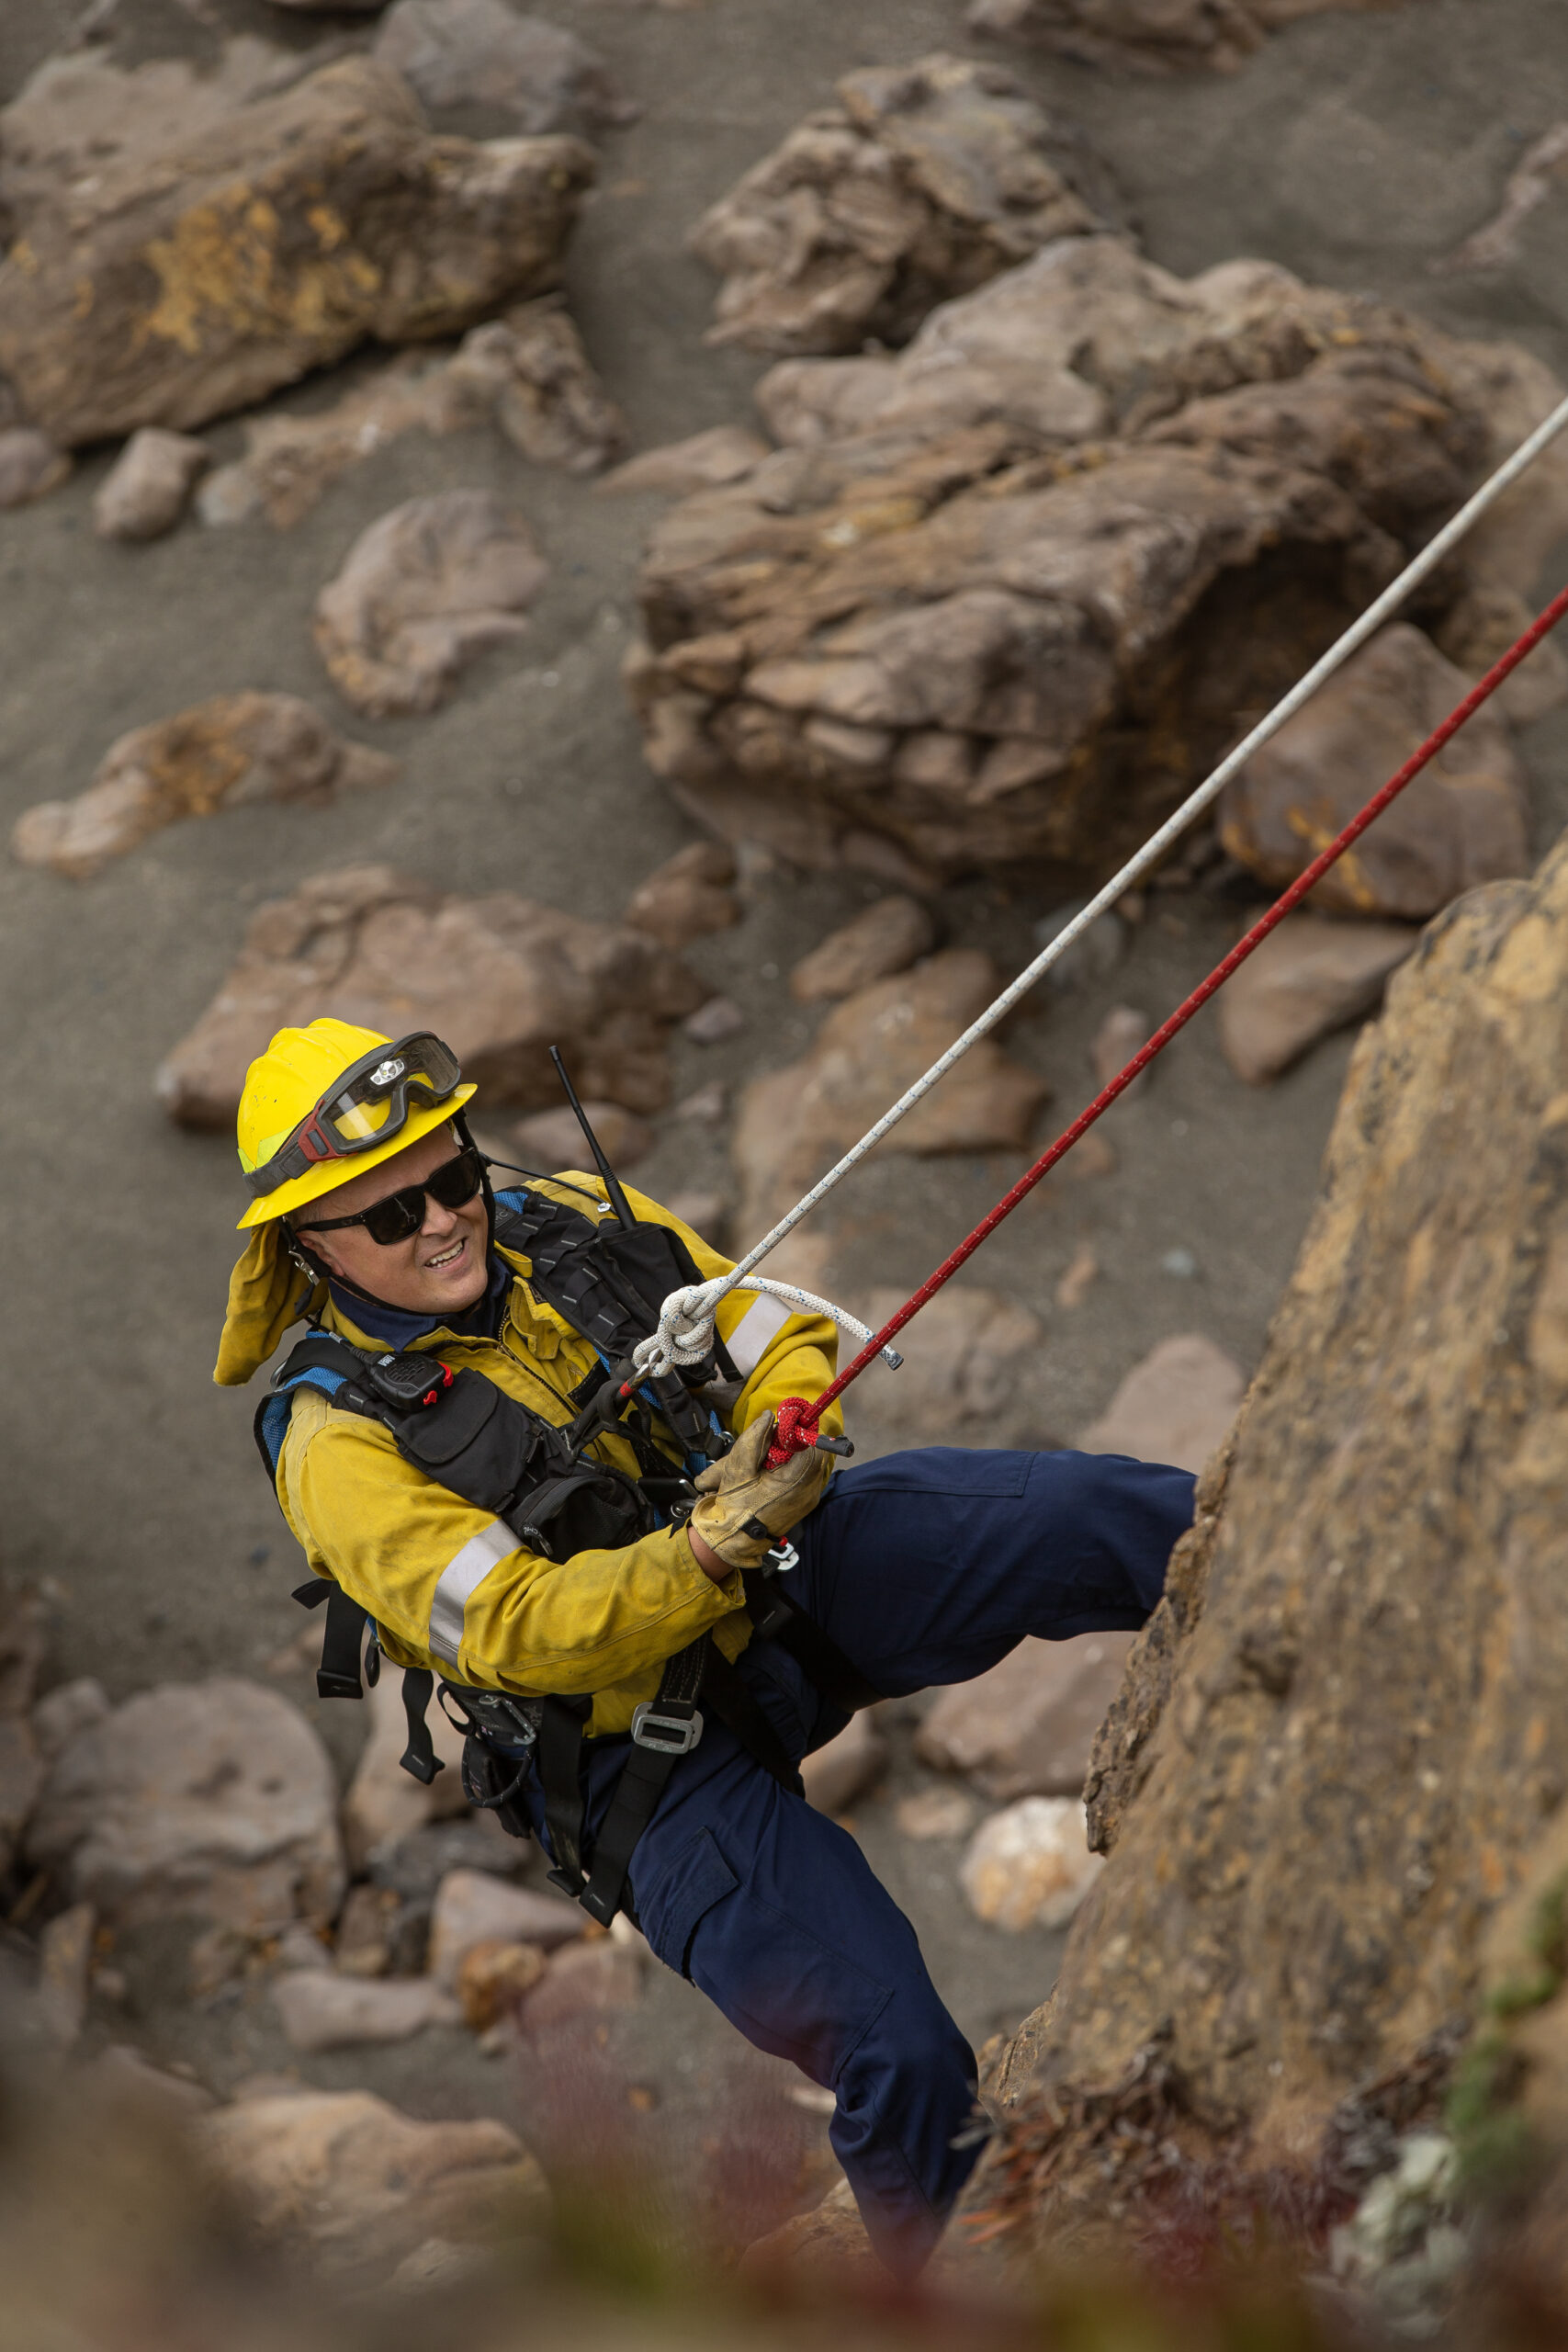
462, 1431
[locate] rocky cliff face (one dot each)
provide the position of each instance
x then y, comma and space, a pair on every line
1343, 1738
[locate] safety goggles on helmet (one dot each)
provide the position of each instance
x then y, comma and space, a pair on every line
453, 1184
363, 1108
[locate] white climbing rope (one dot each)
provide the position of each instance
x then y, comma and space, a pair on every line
690, 1311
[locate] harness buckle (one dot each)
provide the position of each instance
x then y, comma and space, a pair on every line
668, 1734
782, 1558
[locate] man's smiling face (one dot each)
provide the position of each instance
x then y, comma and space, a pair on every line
440, 1269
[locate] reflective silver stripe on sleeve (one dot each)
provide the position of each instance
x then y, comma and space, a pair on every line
458, 1578
752, 1336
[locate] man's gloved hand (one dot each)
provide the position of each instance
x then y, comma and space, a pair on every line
745, 1507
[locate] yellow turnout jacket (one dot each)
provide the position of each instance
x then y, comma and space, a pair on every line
452, 1587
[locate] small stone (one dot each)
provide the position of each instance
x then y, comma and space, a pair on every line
494, 1977
321, 2010
463, 53
708, 1105
367, 1931
1092, 956
724, 453
421, 594
145, 493
1081, 1274
345, 2177
70, 1707
472, 1908
1026, 1725
886, 938
1175, 1406
30, 466
690, 895
1310, 977
934, 1813
549, 1141
110, 1983
65, 1951
1180, 1263
1028, 1866
711, 1022
848, 1765
1119, 1037
581, 1980
228, 495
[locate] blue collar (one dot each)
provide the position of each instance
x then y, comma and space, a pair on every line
396, 1327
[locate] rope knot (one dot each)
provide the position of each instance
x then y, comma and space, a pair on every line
793, 1432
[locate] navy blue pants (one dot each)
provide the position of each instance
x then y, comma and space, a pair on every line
925, 1567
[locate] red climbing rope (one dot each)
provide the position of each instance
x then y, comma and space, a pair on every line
796, 1419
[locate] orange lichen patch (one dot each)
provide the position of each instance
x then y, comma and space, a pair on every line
222, 272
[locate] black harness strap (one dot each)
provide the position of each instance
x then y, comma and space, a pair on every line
728, 1693
337, 1676
559, 1755
775, 1618
660, 1733
419, 1756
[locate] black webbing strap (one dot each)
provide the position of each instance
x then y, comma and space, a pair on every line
337, 1676
726, 1692
775, 1618
642, 1781
419, 1756
559, 1755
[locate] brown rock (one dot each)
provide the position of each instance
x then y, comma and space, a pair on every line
1343, 1741
30, 466
184, 280
505, 979
321, 2010
724, 453
1177, 1405
935, 1813
345, 2178
422, 594
464, 52
472, 1907
1311, 975
385, 1803
1161, 35
1025, 1727
1028, 1866
886, 938
828, 2247
1463, 821
494, 1978
22, 1641
706, 1213
66, 1709
926, 180
65, 1952
716, 1019
209, 1799
794, 1123
581, 1980
1078, 1277
367, 1931
549, 1141
548, 401
1119, 1037
145, 493
846, 1767
966, 1357
691, 894
932, 622
219, 755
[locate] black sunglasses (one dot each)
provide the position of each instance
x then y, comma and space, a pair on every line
452, 1185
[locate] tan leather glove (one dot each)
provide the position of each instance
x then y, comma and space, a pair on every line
745, 1507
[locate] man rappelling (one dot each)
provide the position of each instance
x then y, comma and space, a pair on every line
643, 1623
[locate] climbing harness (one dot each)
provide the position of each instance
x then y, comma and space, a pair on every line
687, 1314
795, 1419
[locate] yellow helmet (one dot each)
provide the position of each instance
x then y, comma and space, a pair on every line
325, 1103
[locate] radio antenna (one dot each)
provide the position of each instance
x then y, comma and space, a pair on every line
618, 1201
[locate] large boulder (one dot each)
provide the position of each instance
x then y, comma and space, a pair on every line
468, 53
1464, 820
197, 273
220, 754
1162, 36
1004, 595
500, 978
1343, 1739
212, 1800
924, 181
797, 1120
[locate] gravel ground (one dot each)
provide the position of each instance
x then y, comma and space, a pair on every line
1355, 149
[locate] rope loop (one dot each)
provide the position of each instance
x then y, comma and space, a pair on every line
685, 1330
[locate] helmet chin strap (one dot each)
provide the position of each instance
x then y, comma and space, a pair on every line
315, 1269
